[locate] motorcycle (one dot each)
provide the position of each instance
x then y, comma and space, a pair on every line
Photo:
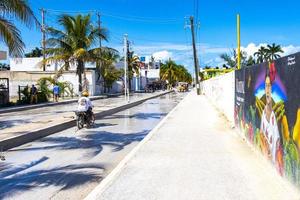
82, 118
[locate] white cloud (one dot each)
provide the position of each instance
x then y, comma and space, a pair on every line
162, 55
209, 54
252, 48
290, 49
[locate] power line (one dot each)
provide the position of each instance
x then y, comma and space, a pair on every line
71, 11
140, 19
121, 17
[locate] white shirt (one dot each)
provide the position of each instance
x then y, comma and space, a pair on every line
84, 104
270, 130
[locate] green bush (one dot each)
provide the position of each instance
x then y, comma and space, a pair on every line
25, 96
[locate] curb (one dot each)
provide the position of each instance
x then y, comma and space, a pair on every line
29, 107
12, 142
108, 180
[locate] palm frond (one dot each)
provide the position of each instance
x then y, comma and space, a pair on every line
20, 10
10, 35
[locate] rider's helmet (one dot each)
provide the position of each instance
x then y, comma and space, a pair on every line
85, 93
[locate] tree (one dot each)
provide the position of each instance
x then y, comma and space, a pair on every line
168, 72
37, 52
108, 71
133, 66
250, 61
261, 55
231, 59
269, 53
183, 75
9, 33
273, 52
172, 72
45, 84
74, 44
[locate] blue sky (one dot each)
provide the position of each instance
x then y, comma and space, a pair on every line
157, 26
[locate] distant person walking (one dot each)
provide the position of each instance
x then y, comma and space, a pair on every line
56, 91
33, 93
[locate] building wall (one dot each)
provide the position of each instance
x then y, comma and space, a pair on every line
265, 100
35, 64
151, 73
220, 90
23, 78
30, 64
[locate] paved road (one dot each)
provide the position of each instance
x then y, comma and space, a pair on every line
68, 165
16, 123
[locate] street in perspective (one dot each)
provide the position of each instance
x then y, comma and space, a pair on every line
136, 100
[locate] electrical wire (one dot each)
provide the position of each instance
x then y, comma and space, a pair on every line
122, 17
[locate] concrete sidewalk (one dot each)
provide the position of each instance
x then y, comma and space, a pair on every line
18, 108
194, 155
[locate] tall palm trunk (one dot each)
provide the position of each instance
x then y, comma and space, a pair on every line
129, 77
129, 84
80, 69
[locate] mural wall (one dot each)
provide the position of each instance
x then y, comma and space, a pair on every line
267, 111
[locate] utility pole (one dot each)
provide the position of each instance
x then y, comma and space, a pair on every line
43, 39
195, 56
125, 67
238, 41
128, 57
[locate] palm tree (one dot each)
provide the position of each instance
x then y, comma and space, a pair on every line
250, 61
183, 75
133, 66
37, 52
231, 59
74, 44
107, 70
261, 54
273, 51
169, 72
9, 34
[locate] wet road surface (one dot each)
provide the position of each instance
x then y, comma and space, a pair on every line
69, 164
22, 122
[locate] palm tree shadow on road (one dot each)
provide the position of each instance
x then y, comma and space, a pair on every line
66, 177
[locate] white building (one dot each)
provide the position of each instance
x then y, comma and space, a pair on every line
149, 71
27, 71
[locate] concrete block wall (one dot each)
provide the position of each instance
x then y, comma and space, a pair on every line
220, 90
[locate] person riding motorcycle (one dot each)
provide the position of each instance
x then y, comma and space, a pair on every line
85, 105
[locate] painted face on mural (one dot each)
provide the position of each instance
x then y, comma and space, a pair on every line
268, 90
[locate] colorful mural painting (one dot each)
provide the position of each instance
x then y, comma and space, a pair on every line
267, 111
